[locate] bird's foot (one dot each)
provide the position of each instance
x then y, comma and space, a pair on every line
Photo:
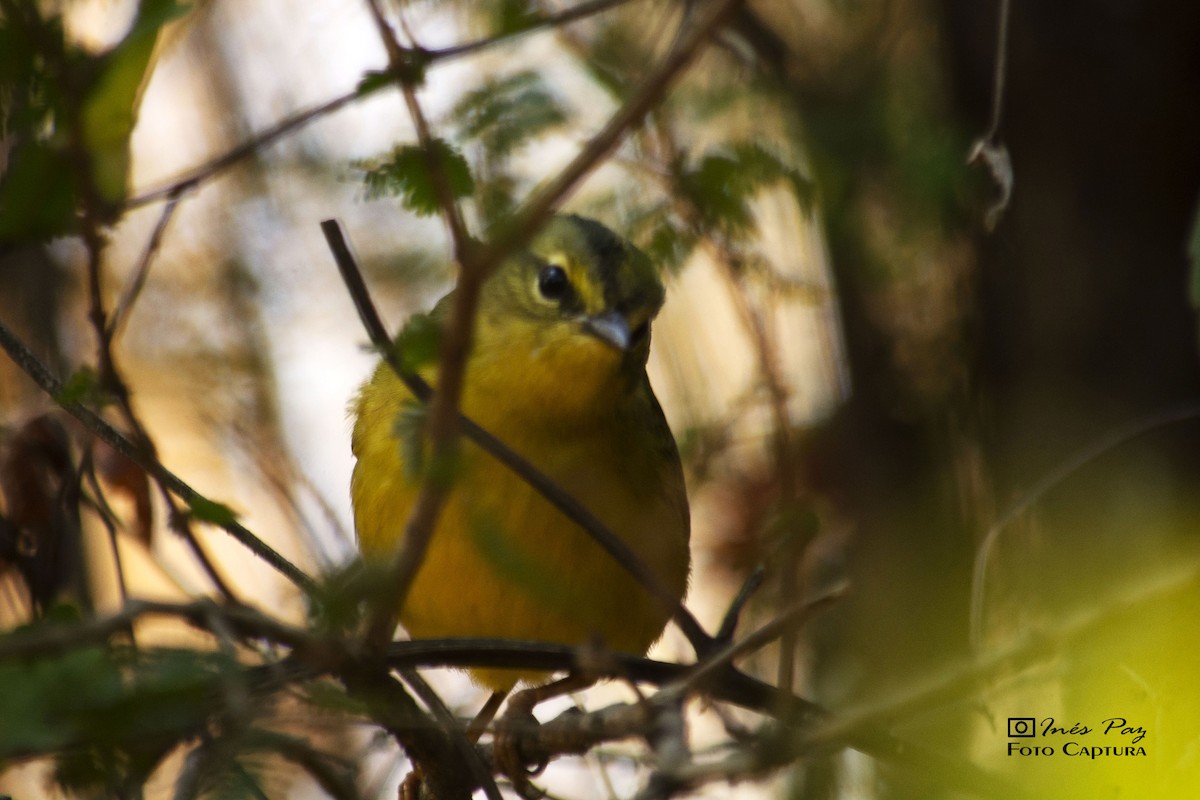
514, 726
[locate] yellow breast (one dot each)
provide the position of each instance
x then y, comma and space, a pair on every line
504, 562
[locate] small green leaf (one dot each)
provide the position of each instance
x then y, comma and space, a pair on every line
37, 194
110, 109
409, 430
373, 81
48, 697
514, 16
411, 71
82, 387
419, 342
405, 173
204, 510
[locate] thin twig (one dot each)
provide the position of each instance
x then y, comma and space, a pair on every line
24, 358
443, 409
557, 20
467, 754
1000, 71
988, 149
134, 288
194, 177
108, 519
766, 353
1064, 470
787, 621
525, 222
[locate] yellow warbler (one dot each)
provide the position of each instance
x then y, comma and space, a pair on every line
557, 372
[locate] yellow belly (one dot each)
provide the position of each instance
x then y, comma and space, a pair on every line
503, 562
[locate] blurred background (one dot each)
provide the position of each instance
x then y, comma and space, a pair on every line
986, 437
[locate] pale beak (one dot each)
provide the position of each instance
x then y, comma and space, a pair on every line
611, 328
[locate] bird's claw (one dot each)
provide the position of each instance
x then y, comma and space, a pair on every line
511, 729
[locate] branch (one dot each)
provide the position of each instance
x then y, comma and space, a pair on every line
24, 358
193, 178
538, 208
564, 17
456, 341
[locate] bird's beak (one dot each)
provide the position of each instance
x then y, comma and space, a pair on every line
611, 328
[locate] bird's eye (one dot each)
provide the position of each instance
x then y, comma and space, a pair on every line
553, 283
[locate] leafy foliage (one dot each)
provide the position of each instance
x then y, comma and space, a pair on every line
500, 117
82, 386
418, 342
513, 16
70, 114
505, 113
406, 174
204, 510
724, 181
110, 712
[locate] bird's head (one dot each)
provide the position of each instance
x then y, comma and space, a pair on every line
576, 304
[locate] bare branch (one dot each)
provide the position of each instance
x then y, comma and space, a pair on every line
193, 178
564, 17
24, 358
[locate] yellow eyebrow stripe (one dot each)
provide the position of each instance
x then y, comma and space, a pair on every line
591, 295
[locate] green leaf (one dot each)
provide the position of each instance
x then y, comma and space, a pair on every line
405, 173
82, 387
411, 71
419, 342
110, 110
42, 698
514, 16
60, 105
409, 430
374, 80
615, 59
504, 114
723, 183
665, 239
204, 510
37, 194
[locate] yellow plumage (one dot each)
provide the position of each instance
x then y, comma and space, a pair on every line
557, 372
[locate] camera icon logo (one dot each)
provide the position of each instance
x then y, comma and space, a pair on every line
1022, 727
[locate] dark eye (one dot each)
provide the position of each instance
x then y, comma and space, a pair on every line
553, 283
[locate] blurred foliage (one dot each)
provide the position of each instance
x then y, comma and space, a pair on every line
408, 172
497, 120
111, 711
721, 184
212, 512
68, 115
856, 116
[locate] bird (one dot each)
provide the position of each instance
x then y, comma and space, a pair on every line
557, 371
